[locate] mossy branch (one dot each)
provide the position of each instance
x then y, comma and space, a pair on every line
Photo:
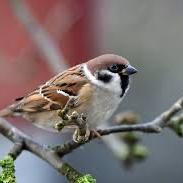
74, 176
8, 170
53, 155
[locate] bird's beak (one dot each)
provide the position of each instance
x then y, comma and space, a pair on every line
129, 70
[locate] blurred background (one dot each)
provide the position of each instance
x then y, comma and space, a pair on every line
40, 38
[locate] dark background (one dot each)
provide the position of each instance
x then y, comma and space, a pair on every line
146, 32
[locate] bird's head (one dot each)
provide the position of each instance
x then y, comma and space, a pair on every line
110, 72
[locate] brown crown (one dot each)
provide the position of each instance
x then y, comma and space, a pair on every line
103, 61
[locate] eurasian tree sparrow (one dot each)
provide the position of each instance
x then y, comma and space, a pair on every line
99, 85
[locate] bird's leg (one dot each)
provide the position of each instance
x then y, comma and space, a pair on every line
82, 132
66, 119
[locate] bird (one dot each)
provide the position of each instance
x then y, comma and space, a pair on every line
99, 85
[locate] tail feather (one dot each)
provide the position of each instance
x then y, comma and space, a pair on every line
5, 112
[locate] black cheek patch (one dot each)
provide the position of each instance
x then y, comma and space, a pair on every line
104, 77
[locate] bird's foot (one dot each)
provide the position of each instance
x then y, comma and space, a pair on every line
67, 119
82, 132
79, 137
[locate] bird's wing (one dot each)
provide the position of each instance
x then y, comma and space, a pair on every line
54, 94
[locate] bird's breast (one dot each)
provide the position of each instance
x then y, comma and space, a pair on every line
102, 106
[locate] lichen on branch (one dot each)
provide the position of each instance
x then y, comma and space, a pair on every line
75, 176
86, 179
8, 170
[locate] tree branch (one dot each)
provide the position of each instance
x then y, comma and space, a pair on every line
53, 155
23, 142
16, 150
154, 126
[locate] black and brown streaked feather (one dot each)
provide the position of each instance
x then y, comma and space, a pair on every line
54, 94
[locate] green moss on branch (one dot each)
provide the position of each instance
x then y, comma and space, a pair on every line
73, 176
8, 170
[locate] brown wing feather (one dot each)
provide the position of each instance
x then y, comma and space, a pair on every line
47, 96
34, 102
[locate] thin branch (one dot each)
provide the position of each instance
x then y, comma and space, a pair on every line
53, 155
23, 142
41, 151
40, 37
154, 126
16, 150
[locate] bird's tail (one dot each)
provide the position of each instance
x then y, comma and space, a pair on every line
6, 112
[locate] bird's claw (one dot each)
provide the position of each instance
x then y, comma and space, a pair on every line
81, 138
82, 132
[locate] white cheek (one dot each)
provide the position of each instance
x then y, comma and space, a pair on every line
113, 86
89, 75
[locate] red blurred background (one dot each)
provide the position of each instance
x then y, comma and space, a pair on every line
70, 24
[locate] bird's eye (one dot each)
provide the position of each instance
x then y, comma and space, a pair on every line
114, 68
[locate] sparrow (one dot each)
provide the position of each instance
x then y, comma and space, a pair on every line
99, 85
